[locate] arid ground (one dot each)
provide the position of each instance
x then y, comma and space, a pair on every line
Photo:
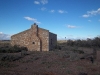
49, 63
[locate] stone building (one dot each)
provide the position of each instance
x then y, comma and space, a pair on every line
35, 39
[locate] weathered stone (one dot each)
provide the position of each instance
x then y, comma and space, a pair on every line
35, 39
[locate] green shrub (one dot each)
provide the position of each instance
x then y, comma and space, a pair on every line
78, 51
10, 58
84, 43
81, 52
36, 58
4, 64
12, 49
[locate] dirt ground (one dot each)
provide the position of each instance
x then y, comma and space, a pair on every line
50, 63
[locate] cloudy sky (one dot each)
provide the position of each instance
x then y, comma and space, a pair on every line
72, 19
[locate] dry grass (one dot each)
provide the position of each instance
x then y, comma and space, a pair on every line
64, 61
51, 63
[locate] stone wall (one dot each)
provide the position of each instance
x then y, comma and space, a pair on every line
52, 40
35, 39
35, 45
44, 37
21, 38
27, 39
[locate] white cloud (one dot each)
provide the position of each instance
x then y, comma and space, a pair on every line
85, 16
32, 19
89, 20
36, 2
44, 1
59, 11
43, 8
41, 2
71, 26
62, 11
91, 13
1, 32
52, 11
4, 36
89, 37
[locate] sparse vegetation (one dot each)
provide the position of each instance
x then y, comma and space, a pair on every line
78, 51
69, 72
84, 43
10, 57
4, 64
82, 73
5, 47
64, 60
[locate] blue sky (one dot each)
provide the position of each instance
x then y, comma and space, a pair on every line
73, 19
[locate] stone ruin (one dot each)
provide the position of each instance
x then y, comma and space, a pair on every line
35, 39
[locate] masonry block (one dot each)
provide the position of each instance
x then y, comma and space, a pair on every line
35, 39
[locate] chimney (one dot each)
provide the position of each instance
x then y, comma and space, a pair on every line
34, 28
